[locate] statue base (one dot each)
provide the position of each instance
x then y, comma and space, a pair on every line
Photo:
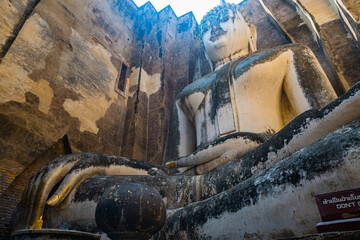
53, 234
128, 235
344, 235
339, 225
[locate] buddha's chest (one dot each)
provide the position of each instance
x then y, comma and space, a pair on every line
225, 106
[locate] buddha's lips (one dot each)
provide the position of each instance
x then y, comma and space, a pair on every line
217, 34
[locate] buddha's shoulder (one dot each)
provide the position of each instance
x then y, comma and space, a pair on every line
269, 55
204, 83
201, 85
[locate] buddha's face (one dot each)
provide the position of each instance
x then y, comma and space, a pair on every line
225, 34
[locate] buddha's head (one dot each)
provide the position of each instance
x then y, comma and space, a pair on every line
226, 34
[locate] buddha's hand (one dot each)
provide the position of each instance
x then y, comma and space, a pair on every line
69, 171
229, 147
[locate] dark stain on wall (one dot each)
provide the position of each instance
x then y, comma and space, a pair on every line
30, 5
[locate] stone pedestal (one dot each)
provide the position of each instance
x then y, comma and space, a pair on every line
53, 234
347, 235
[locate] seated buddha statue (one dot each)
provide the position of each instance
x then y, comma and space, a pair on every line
250, 96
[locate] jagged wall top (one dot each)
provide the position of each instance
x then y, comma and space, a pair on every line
168, 8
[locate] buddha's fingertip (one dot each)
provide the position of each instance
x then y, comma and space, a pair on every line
171, 164
53, 200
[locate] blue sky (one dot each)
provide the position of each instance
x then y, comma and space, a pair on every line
198, 7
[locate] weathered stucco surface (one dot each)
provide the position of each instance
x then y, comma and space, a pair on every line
165, 52
321, 10
60, 62
278, 202
13, 16
36, 40
354, 7
57, 65
92, 104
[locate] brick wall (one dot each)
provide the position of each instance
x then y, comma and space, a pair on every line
11, 193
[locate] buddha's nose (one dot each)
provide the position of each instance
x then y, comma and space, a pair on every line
215, 27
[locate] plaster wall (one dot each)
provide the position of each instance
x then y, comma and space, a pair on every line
13, 16
59, 63
354, 8
58, 77
165, 52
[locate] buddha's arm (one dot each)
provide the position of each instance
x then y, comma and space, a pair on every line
180, 149
305, 83
39, 186
181, 136
220, 151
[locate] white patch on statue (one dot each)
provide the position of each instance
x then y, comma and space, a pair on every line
226, 121
259, 93
320, 10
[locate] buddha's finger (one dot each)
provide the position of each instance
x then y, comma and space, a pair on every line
238, 144
32, 193
231, 155
45, 179
28, 200
98, 165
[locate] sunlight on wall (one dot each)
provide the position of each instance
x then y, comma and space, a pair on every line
180, 7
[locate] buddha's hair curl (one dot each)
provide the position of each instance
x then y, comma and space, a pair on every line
234, 7
213, 12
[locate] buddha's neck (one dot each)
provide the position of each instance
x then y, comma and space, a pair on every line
227, 59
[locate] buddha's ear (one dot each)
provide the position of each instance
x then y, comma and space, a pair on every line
253, 38
253, 32
211, 63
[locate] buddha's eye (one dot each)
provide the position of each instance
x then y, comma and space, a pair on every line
225, 15
205, 27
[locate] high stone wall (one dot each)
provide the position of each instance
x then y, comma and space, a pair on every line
59, 66
13, 15
58, 77
165, 52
